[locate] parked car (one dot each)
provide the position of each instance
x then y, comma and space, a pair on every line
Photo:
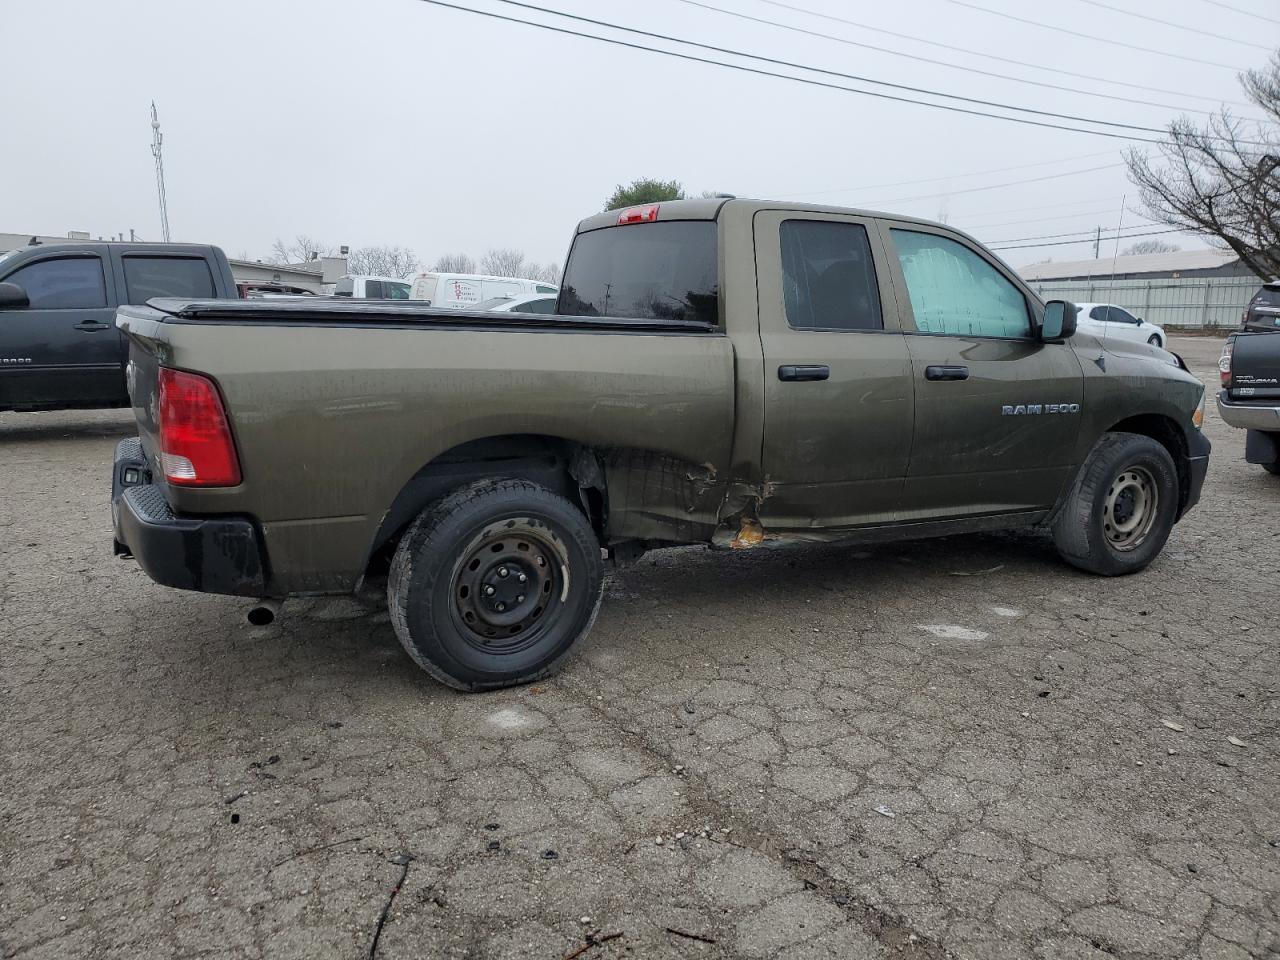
466, 291
1262, 312
1114, 321
270, 288
1250, 394
59, 346
723, 372
533, 303
361, 287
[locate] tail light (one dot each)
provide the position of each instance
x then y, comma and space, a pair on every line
196, 449
645, 214
1224, 361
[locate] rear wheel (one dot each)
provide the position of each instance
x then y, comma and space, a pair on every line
494, 584
1118, 514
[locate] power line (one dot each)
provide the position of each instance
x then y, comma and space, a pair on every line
1247, 13
782, 76
1000, 186
940, 63
1071, 243
1199, 31
1091, 212
1088, 236
1089, 36
992, 56
953, 176
831, 73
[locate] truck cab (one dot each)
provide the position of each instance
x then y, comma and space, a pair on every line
59, 346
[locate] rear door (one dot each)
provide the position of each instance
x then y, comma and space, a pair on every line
63, 348
997, 411
838, 391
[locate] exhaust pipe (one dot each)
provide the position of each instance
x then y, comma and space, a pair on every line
264, 612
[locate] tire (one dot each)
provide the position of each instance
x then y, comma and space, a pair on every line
458, 605
1119, 512
1155, 340
1272, 468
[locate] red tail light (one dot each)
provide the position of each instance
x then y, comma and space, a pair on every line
1224, 362
645, 214
196, 449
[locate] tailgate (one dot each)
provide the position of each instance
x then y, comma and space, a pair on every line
146, 336
1255, 366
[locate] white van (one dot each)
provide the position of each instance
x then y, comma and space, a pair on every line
363, 287
466, 290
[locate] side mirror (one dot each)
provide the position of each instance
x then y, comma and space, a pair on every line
1139, 319
12, 295
1059, 320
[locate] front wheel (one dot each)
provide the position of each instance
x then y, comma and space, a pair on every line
1119, 512
1155, 340
494, 584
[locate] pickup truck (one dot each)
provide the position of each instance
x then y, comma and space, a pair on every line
1250, 394
59, 346
719, 371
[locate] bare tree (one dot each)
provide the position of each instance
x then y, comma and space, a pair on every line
1222, 180
303, 249
504, 263
1150, 246
549, 273
454, 263
383, 261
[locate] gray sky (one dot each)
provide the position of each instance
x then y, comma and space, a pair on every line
395, 121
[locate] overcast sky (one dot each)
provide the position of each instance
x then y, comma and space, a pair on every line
400, 122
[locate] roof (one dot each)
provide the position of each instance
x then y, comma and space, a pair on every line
1176, 262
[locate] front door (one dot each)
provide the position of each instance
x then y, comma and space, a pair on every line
63, 349
997, 411
838, 394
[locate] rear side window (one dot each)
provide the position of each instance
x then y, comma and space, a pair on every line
955, 291
345, 287
828, 279
544, 288
664, 270
373, 289
541, 305
147, 277
59, 284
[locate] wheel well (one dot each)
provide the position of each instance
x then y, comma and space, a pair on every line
567, 468
1169, 435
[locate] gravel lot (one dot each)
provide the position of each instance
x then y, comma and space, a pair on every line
956, 747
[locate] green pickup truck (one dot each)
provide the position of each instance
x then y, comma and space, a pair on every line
718, 371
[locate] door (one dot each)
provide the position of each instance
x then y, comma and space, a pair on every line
997, 411
63, 349
838, 393
1119, 323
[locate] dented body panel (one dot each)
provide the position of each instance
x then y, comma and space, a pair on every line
345, 416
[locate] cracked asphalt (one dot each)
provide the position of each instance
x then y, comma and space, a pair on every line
948, 748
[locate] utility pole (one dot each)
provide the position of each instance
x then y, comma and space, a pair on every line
157, 143
1097, 242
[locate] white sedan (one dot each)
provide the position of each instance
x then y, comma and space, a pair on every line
531, 303
1113, 321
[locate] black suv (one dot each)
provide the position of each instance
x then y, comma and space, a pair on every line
1262, 313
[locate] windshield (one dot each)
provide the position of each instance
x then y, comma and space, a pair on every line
665, 271
1268, 296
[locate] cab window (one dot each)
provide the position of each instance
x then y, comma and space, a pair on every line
828, 280
147, 277
954, 291
62, 283
395, 291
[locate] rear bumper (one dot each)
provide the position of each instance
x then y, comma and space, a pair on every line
1248, 416
1198, 448
212, 555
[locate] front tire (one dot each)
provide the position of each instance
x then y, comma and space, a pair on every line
1155, 340
494, 585
1121, 509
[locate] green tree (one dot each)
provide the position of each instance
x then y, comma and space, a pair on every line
644, 191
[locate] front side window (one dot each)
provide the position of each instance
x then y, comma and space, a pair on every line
69, 282
664, 270
955, 291
828, 279
541, 305
185, 277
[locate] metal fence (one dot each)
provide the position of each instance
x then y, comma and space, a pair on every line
1191, 303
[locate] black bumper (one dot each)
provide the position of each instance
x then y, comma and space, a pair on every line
1198, 447
212, 554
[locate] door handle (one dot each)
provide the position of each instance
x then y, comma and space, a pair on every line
804, 372
91, 325
946, 373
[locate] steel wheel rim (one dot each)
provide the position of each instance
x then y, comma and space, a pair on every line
494, 609
1130, 508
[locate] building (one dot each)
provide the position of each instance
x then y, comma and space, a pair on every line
1181, 264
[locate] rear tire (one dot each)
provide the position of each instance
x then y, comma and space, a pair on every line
494, 584
1272, 468
1119, 512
